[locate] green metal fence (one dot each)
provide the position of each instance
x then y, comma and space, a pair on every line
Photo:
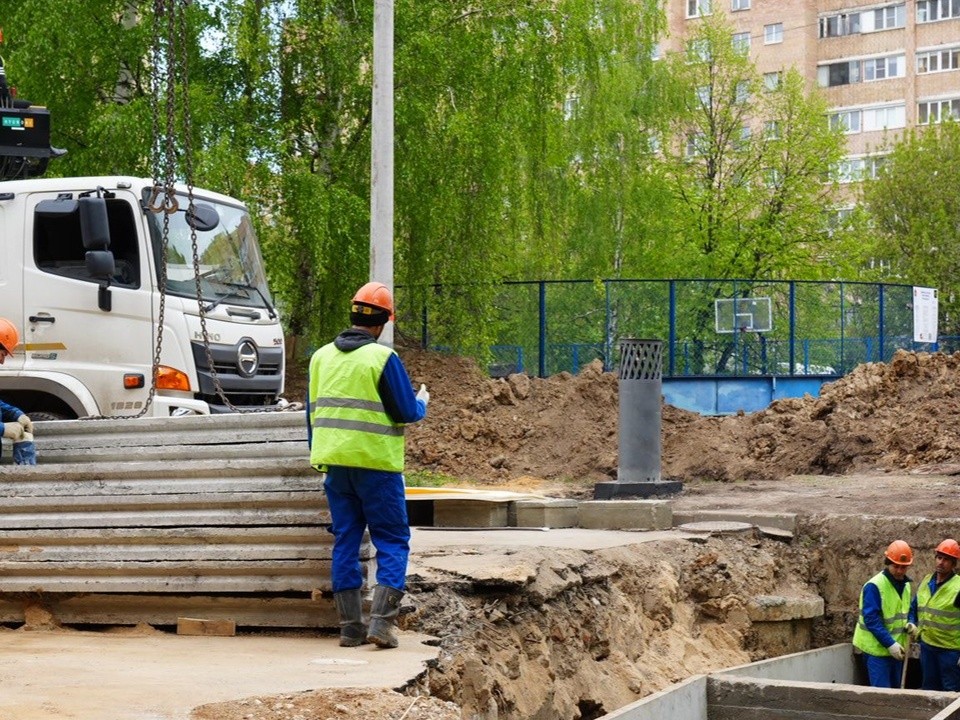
823, 328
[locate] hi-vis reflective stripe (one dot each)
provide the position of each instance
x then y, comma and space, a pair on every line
369, 427
353, 404
942, 613
949, 615
894, 624
29, 347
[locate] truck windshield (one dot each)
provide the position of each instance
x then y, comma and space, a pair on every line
228, 255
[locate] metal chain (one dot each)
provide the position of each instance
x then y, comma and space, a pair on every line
162, 174
170, 51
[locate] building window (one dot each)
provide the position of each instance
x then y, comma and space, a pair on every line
700, 50
932, 112
741, 42
933, 10
889, 117
847, 120
771, 130
854, 71
742, 92
772, 81
704, 95
938, 60
696, 8
856, 169
570, 107
888, 18
773, 34
839, 25
883, 68
694, 143
739, 5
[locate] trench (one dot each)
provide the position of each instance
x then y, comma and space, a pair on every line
609, 627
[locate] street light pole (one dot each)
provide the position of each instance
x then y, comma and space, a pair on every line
381, 153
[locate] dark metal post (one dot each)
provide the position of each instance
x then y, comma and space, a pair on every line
640, 411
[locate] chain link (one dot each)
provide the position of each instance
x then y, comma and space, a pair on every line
170, 51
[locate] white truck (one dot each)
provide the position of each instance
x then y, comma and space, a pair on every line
80, 275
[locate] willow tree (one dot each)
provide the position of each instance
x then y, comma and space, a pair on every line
522, 141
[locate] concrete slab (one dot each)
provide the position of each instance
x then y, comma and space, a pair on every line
101, 676
431, 540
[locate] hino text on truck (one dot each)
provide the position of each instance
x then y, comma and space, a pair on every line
87, 270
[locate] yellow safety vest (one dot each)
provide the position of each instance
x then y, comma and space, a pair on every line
937, 617
895, 609
349, 423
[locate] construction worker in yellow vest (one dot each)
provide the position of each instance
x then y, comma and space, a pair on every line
360, 398
881, 631
937, 609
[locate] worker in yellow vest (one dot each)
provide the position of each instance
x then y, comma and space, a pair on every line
360, 398
937, 609
881, 631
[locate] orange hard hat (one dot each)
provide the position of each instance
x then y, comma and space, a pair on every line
373, 295
899, 552
949, 547
9, 337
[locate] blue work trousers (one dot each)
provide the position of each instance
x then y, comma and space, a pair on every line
883, 672
362, 499
939, 666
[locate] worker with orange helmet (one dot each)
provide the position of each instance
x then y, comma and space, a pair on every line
359, 400
17, 426
937, 609
881, 631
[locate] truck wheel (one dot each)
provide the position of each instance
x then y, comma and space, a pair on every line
43, 416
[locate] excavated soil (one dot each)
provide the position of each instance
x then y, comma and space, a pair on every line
561, 434
593, 631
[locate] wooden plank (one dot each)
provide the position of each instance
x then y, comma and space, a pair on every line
206, 626
163, 610
9, 569
160, 486
177, 468
158, 501
250, 516
201, 552
167, 535
132, 583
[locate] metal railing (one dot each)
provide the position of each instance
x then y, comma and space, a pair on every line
548, 326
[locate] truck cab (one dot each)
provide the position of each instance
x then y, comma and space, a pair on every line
88, 293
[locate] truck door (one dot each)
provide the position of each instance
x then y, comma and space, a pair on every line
11, 283
70, 337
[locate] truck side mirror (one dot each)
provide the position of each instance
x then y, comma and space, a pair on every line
100, 265
94, 225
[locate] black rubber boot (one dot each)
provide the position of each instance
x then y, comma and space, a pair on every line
350, 610
383, 614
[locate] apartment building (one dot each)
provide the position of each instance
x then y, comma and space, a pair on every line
883, 66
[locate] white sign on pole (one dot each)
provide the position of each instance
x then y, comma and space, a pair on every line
925, 315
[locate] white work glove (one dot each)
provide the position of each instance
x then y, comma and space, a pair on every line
26, 422
912, 630
422, 394
13, 430
896, 651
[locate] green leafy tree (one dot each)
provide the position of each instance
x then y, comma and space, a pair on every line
914, 212
750, 170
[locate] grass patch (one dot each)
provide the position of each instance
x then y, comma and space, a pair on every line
428, 478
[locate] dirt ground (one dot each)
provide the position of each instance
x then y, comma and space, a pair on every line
884, 440
560, 434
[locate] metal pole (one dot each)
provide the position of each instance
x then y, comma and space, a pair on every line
640, 399
381, 153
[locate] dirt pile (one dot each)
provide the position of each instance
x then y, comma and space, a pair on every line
562, 431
